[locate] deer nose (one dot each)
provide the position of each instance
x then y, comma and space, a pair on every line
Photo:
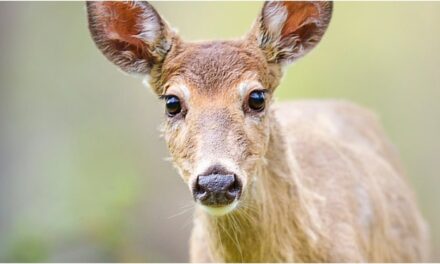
217, 189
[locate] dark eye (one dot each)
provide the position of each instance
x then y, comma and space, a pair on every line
172, 104
257, 100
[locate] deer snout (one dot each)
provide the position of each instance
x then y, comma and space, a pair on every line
217, 189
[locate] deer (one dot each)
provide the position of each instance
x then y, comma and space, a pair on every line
302, 181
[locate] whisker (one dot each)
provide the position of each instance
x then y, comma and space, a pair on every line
183, 211
235, 228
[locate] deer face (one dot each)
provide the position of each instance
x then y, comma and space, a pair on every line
216, 100
217, 95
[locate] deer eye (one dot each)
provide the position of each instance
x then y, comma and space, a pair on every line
173, 106
257, 100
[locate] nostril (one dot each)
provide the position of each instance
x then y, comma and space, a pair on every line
234, 190
199, 192
203, 195
232, 194
216, 189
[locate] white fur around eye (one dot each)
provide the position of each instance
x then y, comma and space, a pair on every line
185, 91
245, 86
179, 89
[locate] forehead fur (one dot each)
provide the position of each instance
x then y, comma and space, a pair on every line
215, 66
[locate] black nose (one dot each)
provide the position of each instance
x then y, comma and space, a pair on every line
217, 189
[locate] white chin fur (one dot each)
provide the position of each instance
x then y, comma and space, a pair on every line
219, 211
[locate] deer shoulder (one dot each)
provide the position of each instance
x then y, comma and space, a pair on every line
350, 166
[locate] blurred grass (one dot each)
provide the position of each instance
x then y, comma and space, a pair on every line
82, 176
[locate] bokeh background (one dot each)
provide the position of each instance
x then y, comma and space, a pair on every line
83, 175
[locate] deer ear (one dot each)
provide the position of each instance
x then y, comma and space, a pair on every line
287, 30
131, 34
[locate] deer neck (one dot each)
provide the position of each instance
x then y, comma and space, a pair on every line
271, 220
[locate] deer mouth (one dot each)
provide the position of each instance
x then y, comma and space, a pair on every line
220, 210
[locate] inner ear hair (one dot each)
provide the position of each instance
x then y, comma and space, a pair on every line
131, 34
287, 30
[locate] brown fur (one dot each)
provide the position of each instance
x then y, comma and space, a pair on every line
328, 165
321, 183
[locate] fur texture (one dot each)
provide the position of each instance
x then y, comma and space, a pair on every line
329, 189
321, 183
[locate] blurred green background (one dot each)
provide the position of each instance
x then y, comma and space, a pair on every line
83, 175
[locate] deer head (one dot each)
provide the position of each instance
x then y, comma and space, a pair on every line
217, 94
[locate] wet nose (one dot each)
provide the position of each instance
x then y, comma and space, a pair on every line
216, 189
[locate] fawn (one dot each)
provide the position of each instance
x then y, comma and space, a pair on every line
307, 181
